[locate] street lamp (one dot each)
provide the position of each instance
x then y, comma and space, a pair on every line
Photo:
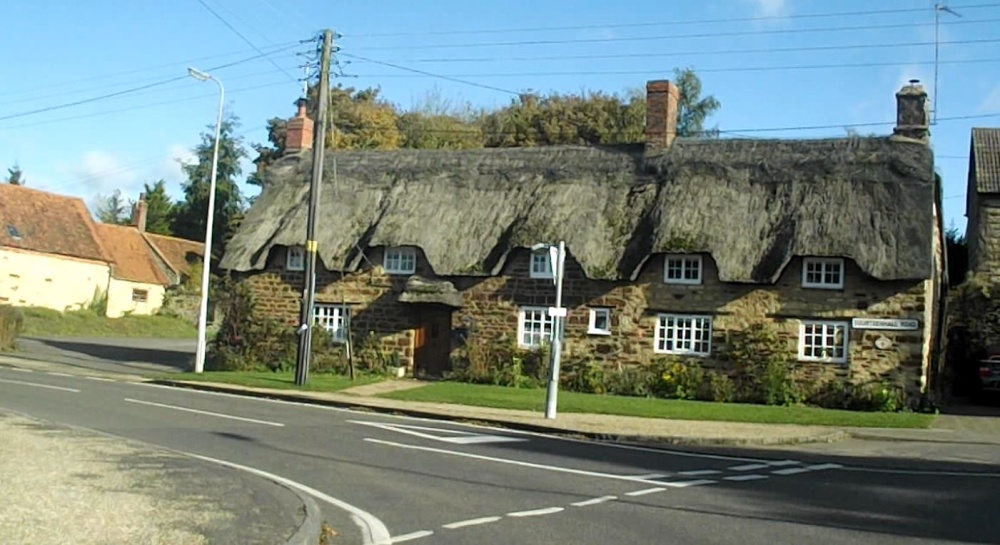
199, 359
557, 259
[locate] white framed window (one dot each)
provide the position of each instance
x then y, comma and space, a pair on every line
400, 261
682, 269
541, 265
335, 319
600, 321
295, 258
683, 334
534, 326
825, 273
823, 341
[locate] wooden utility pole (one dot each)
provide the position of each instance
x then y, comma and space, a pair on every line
309, 283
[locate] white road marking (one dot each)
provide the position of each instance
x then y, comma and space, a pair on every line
646, 491
750, 477
749, 467
414, 535
515, 462
220, 415
470, 522
651, 476
373, 531
594, 501
927, 472
820, 467
536, 512
699, 473
58, 374
784, 463
790, 471
101, 379
36, 385
21, 369
464, 437
685, 484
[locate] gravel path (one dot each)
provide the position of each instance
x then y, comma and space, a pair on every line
66, 486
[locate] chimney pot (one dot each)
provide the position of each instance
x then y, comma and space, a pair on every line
139, 213
912, 112
662, 98
299, 129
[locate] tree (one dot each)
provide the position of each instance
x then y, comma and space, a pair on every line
14, 175
112, 209
189, 217
692, 109
159, 208
435, 123
958, 256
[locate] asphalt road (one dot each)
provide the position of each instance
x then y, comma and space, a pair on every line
133, 356
423, 482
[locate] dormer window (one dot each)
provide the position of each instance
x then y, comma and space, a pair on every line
823, 273
682, 269
400, 261
541, 265
13, 232
295, 258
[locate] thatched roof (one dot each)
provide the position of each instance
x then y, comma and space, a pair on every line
751, 204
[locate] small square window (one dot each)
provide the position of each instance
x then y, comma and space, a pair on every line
541, 265
335, 319
600, 321
534, 327
400, 261
823, 273
682, 269
823, 341
295, 258
140, 296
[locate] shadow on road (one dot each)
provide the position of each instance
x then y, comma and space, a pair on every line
137, 355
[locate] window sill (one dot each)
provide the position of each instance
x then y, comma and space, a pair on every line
603, 332
802, 359
823, 286
400, 273
682, 282
685, 354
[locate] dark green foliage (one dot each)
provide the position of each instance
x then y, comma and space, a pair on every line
247, 340
14, 175
869, 396
958, 256
11, 325
762, 365
112, 209
159, 208
499, 362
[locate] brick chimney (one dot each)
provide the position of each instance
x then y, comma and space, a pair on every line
299, 130
662, 97
912, 112
139, 213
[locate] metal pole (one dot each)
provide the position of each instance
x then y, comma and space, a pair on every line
315, 184
552, 392
199, 359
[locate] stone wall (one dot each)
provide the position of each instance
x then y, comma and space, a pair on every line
983, 235
491, 309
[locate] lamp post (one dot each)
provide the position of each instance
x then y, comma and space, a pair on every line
557, 258
199, 359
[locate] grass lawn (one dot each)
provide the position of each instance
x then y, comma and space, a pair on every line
43, 322
321, 382
572, 402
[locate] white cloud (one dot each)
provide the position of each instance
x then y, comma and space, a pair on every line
771, 8
991, 104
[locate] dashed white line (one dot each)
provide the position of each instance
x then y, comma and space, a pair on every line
699, 473
536, 512
414, 535
36, 385
790, 471
53, 373
101, 379
21, 370
685, 484
749, 467
646, 491
784, 463
820, 467
750, 477
594, 501
220, 415
470, 522
651, 476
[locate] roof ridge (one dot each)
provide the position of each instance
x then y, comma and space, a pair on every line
159, 252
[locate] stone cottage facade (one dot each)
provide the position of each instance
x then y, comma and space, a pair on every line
983, 203
670, 244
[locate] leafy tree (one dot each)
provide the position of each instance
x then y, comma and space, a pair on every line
112, 209
159, 208
958, 256
693, 109
435, 123
14, 175
188, 219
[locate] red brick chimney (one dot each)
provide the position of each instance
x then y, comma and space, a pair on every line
139, 213
299, 130
662, 97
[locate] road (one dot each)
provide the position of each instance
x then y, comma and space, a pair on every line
410, 480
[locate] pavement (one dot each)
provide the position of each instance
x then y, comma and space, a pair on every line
385, 471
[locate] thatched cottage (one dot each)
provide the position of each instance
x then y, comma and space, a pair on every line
670, 245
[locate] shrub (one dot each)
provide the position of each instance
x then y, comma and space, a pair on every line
247, 341
585, 376
722, 388
370, 357
499, 362
633, 380
874, 395
763, 366
681, 379
11, 326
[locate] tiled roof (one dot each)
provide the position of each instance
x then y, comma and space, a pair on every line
986, 159
132, 257
177, 252
45, 222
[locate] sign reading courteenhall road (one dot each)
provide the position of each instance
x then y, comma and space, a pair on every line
885, 323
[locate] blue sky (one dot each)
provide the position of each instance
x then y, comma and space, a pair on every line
774, 64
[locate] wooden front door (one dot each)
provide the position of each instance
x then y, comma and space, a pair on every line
432, 341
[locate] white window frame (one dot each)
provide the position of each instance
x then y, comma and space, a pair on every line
592, 328
686, 262
828, 328
295, 258
546, 322
663, 326
540, 265
334, 318
399, 260
826, 264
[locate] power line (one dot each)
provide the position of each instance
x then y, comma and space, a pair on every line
120, 93
650, 71
675, 36
690, 53
660, 23
245, 39
432, 75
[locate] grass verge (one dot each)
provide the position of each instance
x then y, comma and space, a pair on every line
318, 382
571, 402
43, 322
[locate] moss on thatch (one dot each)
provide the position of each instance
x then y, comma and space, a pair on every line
751, 204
